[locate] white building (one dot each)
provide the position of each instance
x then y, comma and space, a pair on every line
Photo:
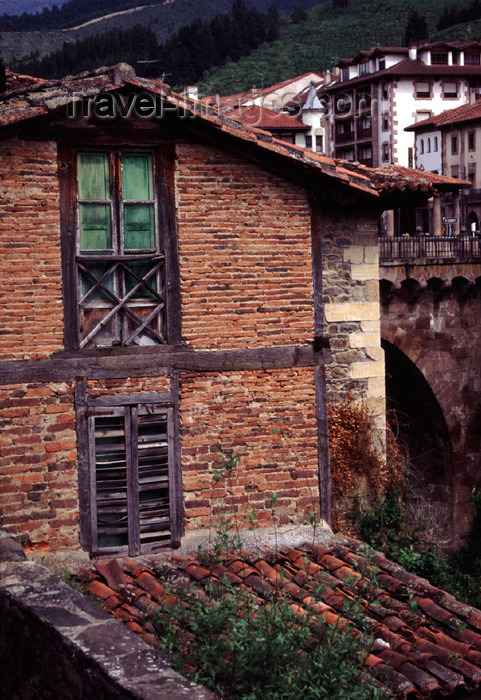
380, 92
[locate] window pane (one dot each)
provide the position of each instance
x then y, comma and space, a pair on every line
96, 270
93, 176
139, 227
95, 227
140, 269
137, 181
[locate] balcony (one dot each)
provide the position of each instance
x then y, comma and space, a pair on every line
345, 137
364, 133
429, 248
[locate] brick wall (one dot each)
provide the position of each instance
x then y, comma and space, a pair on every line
38, 473
246, 282
244, 242
268, 419
31, 309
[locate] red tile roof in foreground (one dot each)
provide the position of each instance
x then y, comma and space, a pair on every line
426, 643
40, 99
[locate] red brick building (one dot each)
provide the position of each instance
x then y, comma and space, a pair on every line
170, 281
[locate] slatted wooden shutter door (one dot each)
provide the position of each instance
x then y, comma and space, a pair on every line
130, 483
109, 480
153, 475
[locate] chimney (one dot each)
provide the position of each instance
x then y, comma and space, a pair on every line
413, 52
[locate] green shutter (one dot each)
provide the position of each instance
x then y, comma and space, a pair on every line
139, 227
95, 227
137, 180
93, 176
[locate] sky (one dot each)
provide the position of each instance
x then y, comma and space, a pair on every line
16, 7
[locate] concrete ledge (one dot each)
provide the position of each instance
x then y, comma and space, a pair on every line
56, 642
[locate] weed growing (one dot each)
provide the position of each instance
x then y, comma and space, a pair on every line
242, 646
390, 527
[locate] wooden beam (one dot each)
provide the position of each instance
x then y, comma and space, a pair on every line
60, 368
324, 470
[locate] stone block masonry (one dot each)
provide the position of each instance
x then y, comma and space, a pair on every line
352, 313
56, 642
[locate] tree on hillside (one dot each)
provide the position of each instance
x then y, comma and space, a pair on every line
298, 15
416, 28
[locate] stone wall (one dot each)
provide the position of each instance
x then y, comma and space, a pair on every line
57, 643
435, 321
352, 313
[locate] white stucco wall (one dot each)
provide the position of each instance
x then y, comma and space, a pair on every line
429, 159
405, 106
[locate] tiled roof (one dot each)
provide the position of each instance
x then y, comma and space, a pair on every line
13, 81
253, 115
409, 67
37, 100
242, 98
465, 113
426, 643
421, 46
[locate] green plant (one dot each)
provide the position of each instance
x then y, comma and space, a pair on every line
390, 527
239, 647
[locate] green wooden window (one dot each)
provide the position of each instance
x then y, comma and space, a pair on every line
120, 259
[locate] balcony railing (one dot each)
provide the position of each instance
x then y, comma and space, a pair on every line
429, 247
345, 137
364, 133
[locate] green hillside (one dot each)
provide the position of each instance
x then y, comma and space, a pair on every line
328, 34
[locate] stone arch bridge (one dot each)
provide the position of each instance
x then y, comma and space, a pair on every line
431, 331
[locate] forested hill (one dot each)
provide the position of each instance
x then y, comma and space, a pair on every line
338, 29
235, 50
76, 12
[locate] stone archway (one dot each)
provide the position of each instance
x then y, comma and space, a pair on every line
433, 319
418, 423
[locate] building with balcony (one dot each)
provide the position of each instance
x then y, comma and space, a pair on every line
450, 143
380, 92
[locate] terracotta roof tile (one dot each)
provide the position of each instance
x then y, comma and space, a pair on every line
31, 100
428, 652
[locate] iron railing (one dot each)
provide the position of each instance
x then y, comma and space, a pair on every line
429, 247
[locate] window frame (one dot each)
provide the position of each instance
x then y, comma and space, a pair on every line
423, 94
87, 409
447, 94
163, 155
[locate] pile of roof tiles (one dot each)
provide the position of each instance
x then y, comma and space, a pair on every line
426, 644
